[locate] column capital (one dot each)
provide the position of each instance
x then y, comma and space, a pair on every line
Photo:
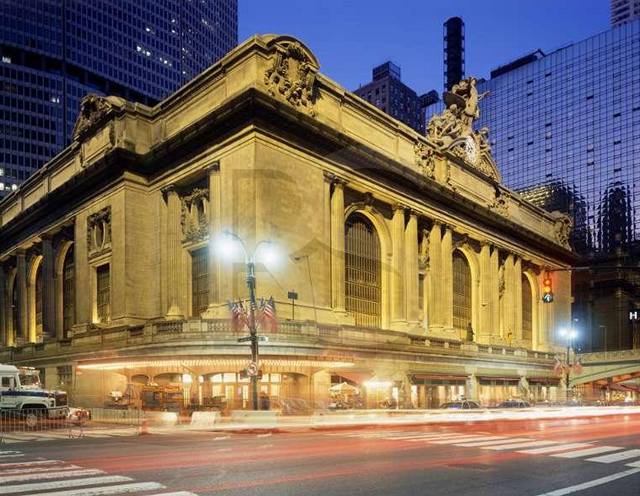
399, 206
413, 212
213, 166
167, 190
328, 176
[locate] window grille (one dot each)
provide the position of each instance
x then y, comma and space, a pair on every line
199, 281
363, 271
103, 293
461, 292
68, 291
527, 314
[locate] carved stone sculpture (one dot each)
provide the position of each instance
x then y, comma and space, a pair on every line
292, 75
425, 159
562, 229
99, 232
93, 111
194, 215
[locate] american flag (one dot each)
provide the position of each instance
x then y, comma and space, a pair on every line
558, 368
238, 315
577, 367
268, 319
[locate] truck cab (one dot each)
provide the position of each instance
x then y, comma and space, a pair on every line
20, 390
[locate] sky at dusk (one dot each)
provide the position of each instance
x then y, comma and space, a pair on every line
350, 37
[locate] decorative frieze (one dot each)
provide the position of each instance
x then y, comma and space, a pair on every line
194, 215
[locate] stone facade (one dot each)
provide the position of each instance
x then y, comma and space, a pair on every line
102, 250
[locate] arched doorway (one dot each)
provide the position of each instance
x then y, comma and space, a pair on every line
363, 271
462, 298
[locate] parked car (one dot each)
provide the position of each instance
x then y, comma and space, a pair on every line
460, 405
514, 404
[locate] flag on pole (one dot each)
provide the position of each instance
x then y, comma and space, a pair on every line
238, 315
577, 367
268, 319
558, 367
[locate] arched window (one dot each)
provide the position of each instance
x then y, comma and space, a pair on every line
39, 300
527, 307
461, 292
363, 271
68, 292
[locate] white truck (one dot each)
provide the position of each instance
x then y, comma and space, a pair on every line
22, 396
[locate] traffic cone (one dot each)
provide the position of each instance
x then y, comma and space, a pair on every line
144, 428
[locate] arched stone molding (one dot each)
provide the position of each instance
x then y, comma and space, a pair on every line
536, 328
474, 266
35, 264
386, 251
61, 254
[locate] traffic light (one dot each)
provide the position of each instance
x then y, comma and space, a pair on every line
547, 289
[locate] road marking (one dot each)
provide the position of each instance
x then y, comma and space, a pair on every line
8, 452
38, 486
634, 464
28, 464
616, 457
559, 447
423, 436
179, 493
479, 444
268, 434
590, 484
467, 439
220, 438
15, 455
587, 451
105, 491
50, 475
32, 470
529, 444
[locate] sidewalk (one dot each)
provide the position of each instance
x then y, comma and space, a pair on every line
383, 418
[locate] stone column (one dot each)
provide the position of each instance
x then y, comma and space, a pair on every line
508, 310
447, 277
215, 227
325, 298
21, 280
48, 288
3, 308
472, 389
435, 317
411, 267
174, 249
486, 294
517, 297
337, 246
398, 305
494, 264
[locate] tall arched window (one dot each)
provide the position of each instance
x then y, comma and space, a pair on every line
68, 292
527, 308
363, 271
461, 292
39, 300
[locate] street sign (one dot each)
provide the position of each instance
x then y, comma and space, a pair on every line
263, 339
292, 295
252, 369
244, 339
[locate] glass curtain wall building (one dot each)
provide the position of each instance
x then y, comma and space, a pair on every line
566, 132
53, 52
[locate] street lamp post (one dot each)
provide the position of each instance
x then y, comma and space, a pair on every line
228, 248
569, 335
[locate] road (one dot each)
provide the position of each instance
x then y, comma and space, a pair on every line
594, 456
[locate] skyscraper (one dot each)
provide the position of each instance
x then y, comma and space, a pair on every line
623, 11
453, 40
387, 92
566, 133
53, 52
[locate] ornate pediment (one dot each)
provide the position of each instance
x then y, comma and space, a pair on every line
93, 112
292, 75
452, 130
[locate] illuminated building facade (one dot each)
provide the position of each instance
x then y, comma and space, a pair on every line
54, 52
418, 273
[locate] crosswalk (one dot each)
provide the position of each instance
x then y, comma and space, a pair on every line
22, 476
588, 451
57, 435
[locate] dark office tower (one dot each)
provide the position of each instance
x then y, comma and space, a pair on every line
565, 130
390, 94
453, 51
53, 52
623, 11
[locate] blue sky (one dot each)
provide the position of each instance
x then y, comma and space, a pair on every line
349, 37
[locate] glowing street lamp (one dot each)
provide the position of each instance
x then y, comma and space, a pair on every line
569, 334
228, 245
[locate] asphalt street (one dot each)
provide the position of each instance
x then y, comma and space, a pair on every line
594, 456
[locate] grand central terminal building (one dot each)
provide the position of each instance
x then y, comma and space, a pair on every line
418, 274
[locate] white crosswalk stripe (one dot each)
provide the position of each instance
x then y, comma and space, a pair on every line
58, 478
587, 452
616, 457
466, 439
425, 436
529, 444
555, 449
480, 444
